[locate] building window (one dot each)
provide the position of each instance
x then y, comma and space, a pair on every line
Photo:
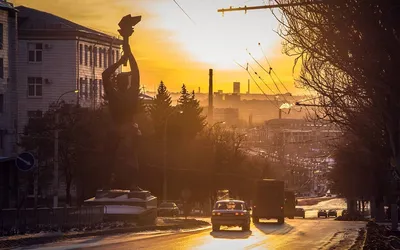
35, 52
90, 56
81, 87
1, 36
1, 68
91, 88
35, 85
86, 88
35, 114
100, 56
105, 58
95, 89
80, 54
117, 55
109, 57
100, 89
95, 56
1, 103
86, 54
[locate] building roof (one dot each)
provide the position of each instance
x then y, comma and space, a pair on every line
36, 23
6, 5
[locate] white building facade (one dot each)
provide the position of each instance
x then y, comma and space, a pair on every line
57, 57
8, 81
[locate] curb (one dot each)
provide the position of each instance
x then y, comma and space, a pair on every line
7, 244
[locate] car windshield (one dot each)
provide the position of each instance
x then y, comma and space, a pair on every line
167, 205
229, 206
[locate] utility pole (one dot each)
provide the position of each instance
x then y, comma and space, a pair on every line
210, 97
55, 183
55, 160
271, 6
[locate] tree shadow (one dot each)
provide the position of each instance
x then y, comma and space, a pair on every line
231, 234
273, 227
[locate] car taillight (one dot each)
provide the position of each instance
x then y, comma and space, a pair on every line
218, 213
236, 213
241, 213
213, 213
281, 208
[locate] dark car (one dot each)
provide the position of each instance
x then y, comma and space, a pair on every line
230, 213
197, 211
168, 209
332, 213
300, 212
322, 213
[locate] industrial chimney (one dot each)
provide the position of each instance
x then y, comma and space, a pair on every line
248, 86
210, 97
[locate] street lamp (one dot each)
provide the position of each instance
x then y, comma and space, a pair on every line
212, 127
165, 152
55, 180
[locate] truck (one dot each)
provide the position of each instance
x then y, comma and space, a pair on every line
290, 204
269, 200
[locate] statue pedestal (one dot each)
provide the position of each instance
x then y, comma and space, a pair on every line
138, 206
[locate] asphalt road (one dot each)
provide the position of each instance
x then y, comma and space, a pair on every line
294, 234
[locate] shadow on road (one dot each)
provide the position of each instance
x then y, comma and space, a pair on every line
228, 234
273, 227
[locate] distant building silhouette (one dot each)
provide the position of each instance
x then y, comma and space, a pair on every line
236, 87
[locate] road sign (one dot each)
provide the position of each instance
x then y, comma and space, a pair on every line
25, 161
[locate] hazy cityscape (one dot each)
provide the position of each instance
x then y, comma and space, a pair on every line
199, 124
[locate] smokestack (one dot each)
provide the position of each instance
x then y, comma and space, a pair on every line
210, 96
248, 86
199, 90
280, 113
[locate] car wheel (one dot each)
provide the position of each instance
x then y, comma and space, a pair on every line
281, 220
215, 227
304, 216
246, 227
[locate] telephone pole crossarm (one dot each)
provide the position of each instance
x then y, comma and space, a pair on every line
270, 6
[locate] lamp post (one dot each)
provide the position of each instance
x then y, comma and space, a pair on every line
56, 131
165, 153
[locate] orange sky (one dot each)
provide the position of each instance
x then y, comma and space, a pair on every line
170, 47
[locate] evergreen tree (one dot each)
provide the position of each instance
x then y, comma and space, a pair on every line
161, 108
191, 119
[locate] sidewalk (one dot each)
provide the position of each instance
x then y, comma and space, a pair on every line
48, 237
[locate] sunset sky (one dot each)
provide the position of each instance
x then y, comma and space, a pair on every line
170, 47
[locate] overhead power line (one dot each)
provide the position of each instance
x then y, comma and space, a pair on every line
248, 72
269, 73
180, 7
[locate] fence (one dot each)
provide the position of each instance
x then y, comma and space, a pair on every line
49, 218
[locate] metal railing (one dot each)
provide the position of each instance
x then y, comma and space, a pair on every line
29, 219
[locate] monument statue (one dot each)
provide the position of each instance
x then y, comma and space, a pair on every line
122, 93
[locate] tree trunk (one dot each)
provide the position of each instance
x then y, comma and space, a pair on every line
68, 191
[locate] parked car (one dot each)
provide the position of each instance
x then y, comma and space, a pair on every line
300, 212
168, 209
322, 213
197, 211
332, 212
